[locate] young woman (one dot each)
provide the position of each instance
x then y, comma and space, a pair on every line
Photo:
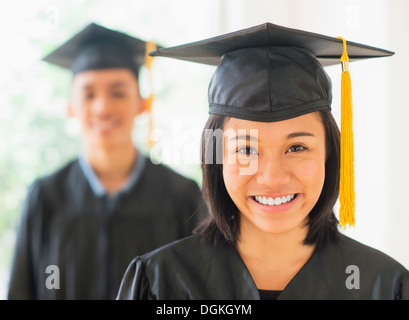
272, 232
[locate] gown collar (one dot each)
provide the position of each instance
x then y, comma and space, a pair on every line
96, 185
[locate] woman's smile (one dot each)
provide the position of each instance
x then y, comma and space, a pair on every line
274, 204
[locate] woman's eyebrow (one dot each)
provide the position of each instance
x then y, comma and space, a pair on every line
300, 134
243, 137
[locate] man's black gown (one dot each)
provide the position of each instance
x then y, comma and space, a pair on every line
64, 224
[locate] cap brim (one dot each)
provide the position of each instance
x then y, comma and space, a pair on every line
66, 53
328, 50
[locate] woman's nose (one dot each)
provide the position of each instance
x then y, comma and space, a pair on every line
273, 172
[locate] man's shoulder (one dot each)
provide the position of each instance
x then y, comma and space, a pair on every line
166, 174
59, 175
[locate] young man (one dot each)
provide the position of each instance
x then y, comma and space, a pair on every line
82, 225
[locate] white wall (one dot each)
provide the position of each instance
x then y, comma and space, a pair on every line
381, 107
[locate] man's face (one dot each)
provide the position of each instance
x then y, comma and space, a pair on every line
106, 102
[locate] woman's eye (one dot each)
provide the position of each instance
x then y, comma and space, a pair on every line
247, 151
296, 148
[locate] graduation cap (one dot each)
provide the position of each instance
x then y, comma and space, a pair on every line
271, 73
96, 47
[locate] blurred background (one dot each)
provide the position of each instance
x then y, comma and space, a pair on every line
36, 136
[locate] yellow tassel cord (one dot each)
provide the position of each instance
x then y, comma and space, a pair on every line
347, 182
150, 46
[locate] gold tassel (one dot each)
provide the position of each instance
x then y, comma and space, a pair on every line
347, 179
150, 46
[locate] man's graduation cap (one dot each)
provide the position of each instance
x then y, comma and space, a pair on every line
271, 73
96, 47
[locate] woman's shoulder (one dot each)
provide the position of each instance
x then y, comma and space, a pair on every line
350, 252
174, 246
348, 269
186, 250
190, 268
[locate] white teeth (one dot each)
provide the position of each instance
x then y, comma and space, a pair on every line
274, 201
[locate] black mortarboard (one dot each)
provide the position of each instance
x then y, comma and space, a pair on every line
96, 47
271, 73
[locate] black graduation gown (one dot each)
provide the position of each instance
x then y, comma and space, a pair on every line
193, 269
63, 224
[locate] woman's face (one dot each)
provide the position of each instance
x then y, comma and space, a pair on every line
274, 171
